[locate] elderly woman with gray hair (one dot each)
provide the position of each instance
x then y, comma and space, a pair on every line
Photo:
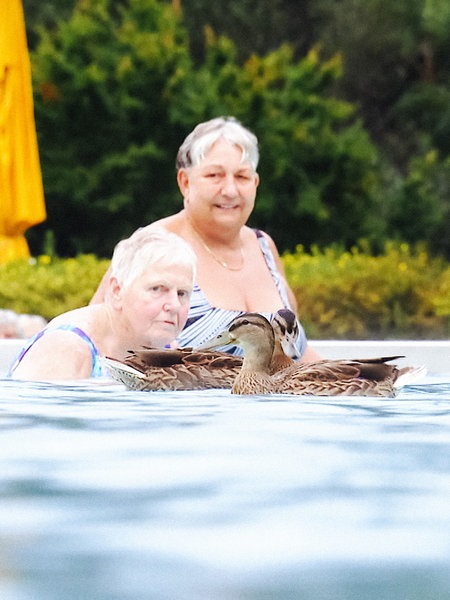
146, 303
238, 268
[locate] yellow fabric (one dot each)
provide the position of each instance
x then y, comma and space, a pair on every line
21, 191
13, 247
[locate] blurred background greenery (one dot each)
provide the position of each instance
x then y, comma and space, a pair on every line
350, 100
401, 293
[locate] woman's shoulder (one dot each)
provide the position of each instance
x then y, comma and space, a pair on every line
92, 320
262, 236
173, 223
76, 316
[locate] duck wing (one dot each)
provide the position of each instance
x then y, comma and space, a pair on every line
156, 357
354, 377
152, 369
132, 378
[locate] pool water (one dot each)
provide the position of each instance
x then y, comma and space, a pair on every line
107, 494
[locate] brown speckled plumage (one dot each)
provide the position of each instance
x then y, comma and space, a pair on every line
187, 369
364, 377
182, 369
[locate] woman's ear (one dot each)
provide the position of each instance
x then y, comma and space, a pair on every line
183, 182
114, 292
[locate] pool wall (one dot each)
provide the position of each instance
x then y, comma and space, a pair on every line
432, 354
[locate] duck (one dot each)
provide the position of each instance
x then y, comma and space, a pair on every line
337, 377
151, 369
286, 330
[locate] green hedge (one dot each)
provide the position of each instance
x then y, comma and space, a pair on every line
403, 293
47, 286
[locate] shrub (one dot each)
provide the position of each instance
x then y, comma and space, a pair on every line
47, 286
402, 293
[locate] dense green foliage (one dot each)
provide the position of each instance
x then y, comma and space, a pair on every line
48, 287
341, 294
354, 137
348, 294
101, 111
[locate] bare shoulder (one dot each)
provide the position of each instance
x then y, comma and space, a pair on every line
272, 246
58, 354
173, 223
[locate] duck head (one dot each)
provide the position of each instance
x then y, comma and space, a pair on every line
286, 328
253, 333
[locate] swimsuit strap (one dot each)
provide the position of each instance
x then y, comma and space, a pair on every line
97, 369
272, 266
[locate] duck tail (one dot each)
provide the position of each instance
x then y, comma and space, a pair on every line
409, 375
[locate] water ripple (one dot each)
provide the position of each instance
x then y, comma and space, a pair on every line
109, 494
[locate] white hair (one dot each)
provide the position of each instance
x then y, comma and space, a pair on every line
205, 135
149, 246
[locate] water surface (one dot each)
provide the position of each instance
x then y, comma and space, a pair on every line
107, 494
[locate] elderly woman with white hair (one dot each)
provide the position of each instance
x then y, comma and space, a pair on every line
146, 303
238, 268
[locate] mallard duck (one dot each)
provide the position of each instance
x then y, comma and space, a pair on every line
188, 369
254, 333
177, 369
285, 328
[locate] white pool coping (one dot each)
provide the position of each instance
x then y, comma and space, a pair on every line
433, 354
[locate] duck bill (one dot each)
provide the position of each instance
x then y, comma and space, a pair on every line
289, 346
222, 339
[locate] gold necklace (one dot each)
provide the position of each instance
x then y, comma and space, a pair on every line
222, 263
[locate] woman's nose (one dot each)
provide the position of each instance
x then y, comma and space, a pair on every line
229, 186
172, 302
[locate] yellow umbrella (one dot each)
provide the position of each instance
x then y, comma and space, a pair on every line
21, 192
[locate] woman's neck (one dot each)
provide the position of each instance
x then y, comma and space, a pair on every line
215, 233
227, 252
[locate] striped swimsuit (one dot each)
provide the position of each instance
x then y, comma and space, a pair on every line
97, 369
206, 321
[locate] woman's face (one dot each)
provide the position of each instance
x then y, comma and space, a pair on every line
155, 305
222, 188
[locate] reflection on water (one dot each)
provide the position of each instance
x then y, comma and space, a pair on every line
107, 494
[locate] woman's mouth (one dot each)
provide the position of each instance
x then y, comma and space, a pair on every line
227, 206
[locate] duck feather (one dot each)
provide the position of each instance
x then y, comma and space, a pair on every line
356, 377
175, 369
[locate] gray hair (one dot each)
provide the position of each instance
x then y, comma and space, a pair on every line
149, 246
205, 135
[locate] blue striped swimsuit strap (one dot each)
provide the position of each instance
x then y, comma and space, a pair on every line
272, 266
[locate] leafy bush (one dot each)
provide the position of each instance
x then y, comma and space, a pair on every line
116, 92
402, 293
47, 286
